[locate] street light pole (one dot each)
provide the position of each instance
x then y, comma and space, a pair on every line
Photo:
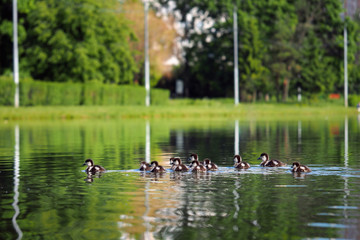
343, 18
236, 58
147, 64
345, 68
15, 54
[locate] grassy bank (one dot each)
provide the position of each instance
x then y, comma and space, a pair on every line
176, 109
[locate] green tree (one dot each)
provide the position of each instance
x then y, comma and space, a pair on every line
6, 31
315, 78
206, 39
77, 41
319, 36
354, 46
283, 44
252, 52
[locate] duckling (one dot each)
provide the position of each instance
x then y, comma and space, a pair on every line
156, 168
239, 164
92, 169
178, 166
193, 157
144, 166
197, 167
266, 162
296, 167
171, 160
210, 166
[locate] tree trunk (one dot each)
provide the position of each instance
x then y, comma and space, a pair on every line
254, 96
286, 90
277, 86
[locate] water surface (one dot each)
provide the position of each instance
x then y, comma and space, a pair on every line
45, 193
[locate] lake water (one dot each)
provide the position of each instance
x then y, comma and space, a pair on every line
45, 193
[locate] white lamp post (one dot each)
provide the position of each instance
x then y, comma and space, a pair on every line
236, 58
147, 64
343, 15
15, 54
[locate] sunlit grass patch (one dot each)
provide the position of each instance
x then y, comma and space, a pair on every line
178, 109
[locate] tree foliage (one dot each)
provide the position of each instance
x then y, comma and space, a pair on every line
283, 45
77, 41
162, 37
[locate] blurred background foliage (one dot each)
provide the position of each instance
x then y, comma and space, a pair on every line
283, 45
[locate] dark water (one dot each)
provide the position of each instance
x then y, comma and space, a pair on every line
45, 193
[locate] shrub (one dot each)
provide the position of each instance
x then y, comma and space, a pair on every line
7, 91
34, 93
159, 96
353, 100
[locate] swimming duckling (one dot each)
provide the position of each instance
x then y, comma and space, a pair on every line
266, 162
193, 157
296, 167
171, 160
197, 167
93, 168
178, 166
239, 164
156, 168
144, 166
210, 166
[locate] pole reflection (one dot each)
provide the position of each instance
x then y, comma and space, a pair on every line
16, 182
147, 233
237, 184
346, 164
237, 208
346, 142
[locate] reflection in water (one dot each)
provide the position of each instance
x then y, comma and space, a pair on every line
179, 139
236, 204
16, 182
90, 177
147, 234
226, 204
346, 164
346, 142
299, 175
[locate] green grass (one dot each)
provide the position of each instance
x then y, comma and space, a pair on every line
191, 109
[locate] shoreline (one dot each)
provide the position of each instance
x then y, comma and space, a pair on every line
242, 111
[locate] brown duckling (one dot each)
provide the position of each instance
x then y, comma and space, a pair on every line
210, 166
266, 162
193, 157
239, 164
156, 168
91, 168
197, 167
296, 167
144, 166
179, 166
171, 160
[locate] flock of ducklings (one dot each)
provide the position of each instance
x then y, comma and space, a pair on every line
196, 166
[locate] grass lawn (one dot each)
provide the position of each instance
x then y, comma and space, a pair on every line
179, 109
